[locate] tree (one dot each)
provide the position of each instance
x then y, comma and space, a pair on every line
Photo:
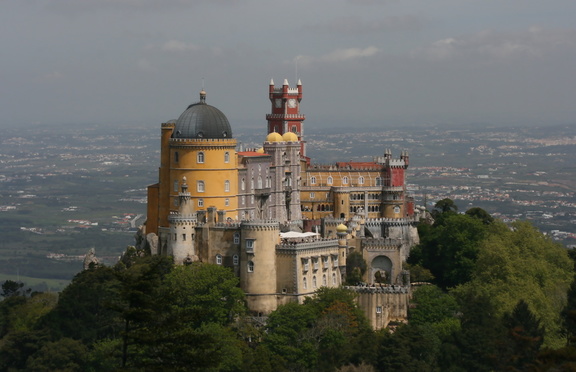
355, 268
480, 214
431, 305
64, 354
526, 336
444, 206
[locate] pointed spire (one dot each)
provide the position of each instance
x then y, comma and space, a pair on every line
286, 82
299, 82
271, 81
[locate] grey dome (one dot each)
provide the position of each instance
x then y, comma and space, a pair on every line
201, 120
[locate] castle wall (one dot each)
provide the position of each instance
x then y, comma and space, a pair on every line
382, 305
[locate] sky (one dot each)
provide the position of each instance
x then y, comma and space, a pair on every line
362, 63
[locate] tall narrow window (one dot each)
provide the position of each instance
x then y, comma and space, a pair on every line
227, 202
312, 180
176, 186
259, 182
176, 157
243, 184
252, 184
304, 283
378, 181
226, 157
236, 238
200, 186
324, 282
250, 266
329, 180
314, 282
226, 186
360, 180
235, 260
344, 180
200, 202
200, 157
218, 259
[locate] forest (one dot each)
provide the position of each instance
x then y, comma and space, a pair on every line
487, 296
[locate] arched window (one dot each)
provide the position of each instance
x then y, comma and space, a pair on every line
294, 129
312, 180
235, 260
243, 184
344, 180
226, 157
218, 259
200, 157
176, 157
324, 282
333, 278
360, 180
200, 186
305, 283
314, 282
226, 186
236, 238
329, 180
250, 266
200, 202
259, 182
176, 186
378, 181
252, 184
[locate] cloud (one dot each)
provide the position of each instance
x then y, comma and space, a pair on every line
339, 55
145, 65
179, 46
493, 46
359, 25
54, 75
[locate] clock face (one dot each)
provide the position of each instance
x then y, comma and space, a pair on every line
278, 102
291, 103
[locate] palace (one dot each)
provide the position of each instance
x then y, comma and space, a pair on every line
282, 223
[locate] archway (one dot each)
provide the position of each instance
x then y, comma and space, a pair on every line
383, 266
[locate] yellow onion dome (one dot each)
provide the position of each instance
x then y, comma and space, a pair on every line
342, 228
260, 150
290, 137
274, 137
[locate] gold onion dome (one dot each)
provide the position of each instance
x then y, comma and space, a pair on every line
290, 137
274, 137
260, 150
342, 228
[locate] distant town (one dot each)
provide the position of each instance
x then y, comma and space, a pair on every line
68, 180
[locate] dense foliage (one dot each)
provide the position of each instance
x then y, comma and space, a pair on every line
499, 298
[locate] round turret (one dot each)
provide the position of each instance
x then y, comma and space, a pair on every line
201, 120
290, 137
274, 137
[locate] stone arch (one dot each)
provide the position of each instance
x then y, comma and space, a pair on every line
381, 263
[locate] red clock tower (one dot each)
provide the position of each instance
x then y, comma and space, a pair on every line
285, 116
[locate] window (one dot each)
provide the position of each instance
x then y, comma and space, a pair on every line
226, 157
259, 182
305, 283
294, 129
252, 199
267, 181
306, 264
360, 180
218, 259
200, 186
314, 282
312, 180
378, 309
250, 245
243, 184
176, 157
235, 260
176, 186
227, 202
200, 157
312, 195
175, 202
183, 237
344, 180
226, 186
324, 281
325, 261
250, 266
243, 200
252, 184
334, 279
315, 263
396, 209
175, 236
236, 238
329, 180
335, 261
200, 202
378, 181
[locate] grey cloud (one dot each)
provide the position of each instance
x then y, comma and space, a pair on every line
359, 25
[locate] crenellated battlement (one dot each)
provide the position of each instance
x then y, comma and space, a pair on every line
260, 225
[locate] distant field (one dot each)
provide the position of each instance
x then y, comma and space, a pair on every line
37, 284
